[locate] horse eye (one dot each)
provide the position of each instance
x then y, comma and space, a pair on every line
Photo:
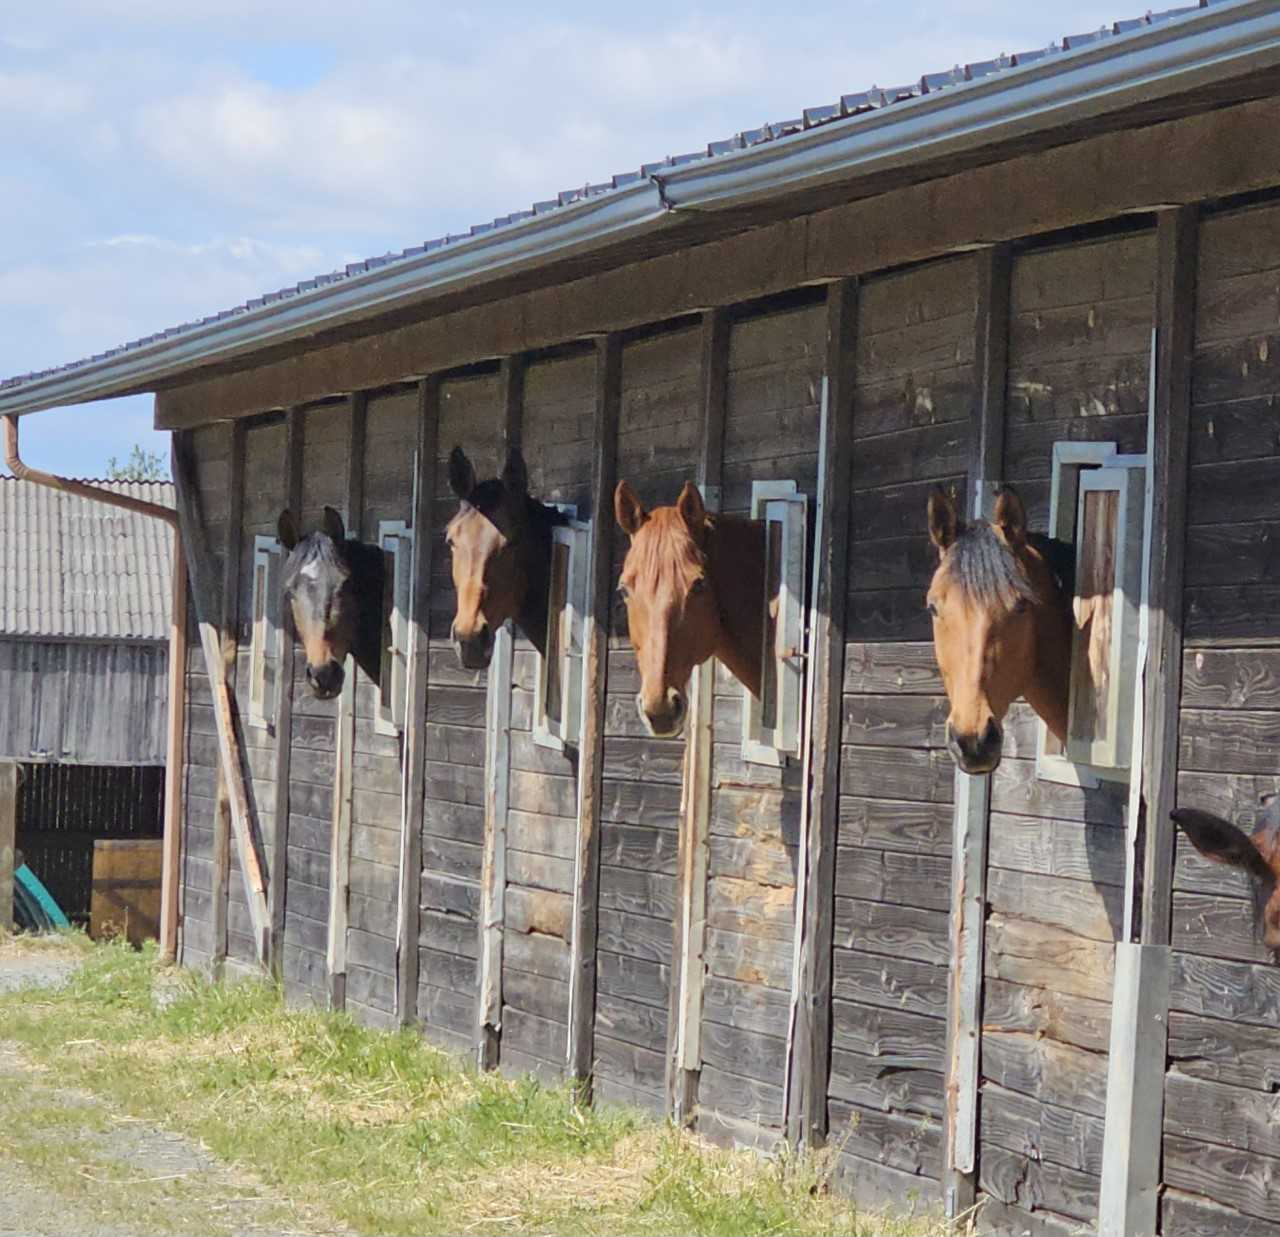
1020, 606
932, 608
623, 591
698, 586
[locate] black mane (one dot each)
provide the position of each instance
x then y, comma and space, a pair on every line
988, 572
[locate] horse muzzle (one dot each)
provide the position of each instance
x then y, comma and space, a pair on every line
476, 650
976, 753
667, 720
326, 679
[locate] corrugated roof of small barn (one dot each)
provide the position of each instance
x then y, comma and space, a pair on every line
73, 568
849, 109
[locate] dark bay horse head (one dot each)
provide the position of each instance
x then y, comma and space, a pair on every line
1000, 601
693, 585
333, 587
1256, 853
500, 545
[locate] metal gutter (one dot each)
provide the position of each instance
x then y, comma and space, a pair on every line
1228, 39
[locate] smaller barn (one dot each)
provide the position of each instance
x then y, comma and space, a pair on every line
84, 630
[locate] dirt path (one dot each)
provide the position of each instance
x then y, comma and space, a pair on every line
71, 1167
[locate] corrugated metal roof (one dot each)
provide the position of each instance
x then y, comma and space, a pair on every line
848, 108
70, 567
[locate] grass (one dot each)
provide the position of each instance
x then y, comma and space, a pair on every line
381, 1134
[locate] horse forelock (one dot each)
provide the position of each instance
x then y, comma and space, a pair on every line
664, 553
315, 553
985, 570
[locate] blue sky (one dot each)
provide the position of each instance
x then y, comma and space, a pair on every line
160, 161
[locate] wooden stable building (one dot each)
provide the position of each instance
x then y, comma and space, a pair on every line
1058, 270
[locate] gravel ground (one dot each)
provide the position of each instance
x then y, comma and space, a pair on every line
70, 1167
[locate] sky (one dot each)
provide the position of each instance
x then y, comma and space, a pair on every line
160, 161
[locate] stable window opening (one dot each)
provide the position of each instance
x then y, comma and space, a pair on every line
557, 706
396, 541
265, 639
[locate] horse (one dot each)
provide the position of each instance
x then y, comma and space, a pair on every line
333, 586
1000, 600
693, 585
1257, 854
500, 546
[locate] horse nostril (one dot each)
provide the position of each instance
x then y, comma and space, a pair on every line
991, 736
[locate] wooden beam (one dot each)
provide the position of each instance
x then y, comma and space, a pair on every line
10, 780
684, 1026
417, 657
1196, 158
595, 652
497, 779
809, 1055
230, 753
345, 745
972, 794
228, 633
283, 722
175, 757
1131, 1175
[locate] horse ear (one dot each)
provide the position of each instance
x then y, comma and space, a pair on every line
628, 510
1011, 517
332, 525
689, 504
462, 475
944, 519
515, 476
287, 529
1220, 841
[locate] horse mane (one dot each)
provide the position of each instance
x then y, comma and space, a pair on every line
988, 572
661, 553
487, 497
1061, 559
315, 547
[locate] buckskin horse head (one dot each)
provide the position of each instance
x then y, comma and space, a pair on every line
333, 589
1000, 600
500, 548
693, 584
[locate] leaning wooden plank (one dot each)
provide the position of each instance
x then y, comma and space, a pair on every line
283, 721
416, 736
175, 758
809, 1022
684, 1054
340, 841
229, 753
595, 645
8, 838
973, 794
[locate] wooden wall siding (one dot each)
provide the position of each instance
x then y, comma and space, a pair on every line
211, 455
913, 392
774, 383
387, 482
640, 811
453, 814
557, 420
311, 764
1079, 367
1225, 1003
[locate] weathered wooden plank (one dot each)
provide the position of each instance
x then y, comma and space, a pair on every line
1041, 1132
1011, 1178
898, 669
870, 1083
1077, 906
1225, 1051
590, 791
9, 782
1058, 848
1230, 679
340, 855
1189, 1215
1238, 1179
893, 876
895, 931
893, 983
889, 824
1216, 988
1046, 1012
909, 1144
1044, 1069
898, 1038
1024, 951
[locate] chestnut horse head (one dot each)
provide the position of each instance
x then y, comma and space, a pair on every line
1000, 601
1256, 853
333, 588
693, 585
500, 544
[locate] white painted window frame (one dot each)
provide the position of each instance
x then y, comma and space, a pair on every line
781, 502
565, 635
1071, 462
395, 537
266, 635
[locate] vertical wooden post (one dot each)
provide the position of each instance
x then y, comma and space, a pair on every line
344, 748
8, 838
1129, 1200
283, 722
972, 794
809, 1057
417, 658
595, 652
230, 753
684, 1027
175, 757
497, 766
228, 639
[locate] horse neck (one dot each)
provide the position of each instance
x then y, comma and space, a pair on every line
736, 565
1050, 694
536, 551
368, 568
